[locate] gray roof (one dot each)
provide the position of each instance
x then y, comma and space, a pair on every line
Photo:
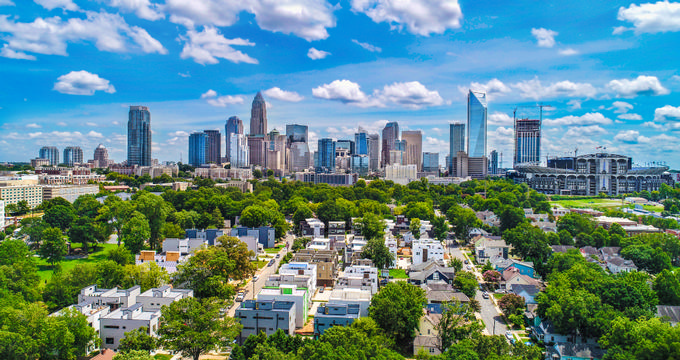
561, 248
580, 350
425, 341
530, 289
670, 312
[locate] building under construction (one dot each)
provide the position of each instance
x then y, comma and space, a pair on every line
527, 141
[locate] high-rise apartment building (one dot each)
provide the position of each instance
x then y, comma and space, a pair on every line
430, 162
374, 152
493, 166
297, 137
390, 134
361, 142
50, 153
101, 157
414, 147
348, 146
73, 155
257, 150
276, 152
297, 133
213, 153
198, 144
476, 124
258, 116
234, 126
238, 147
325, 156
527, 141
139, 136
456, 141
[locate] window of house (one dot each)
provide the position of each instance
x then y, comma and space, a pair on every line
431, 350
109, 341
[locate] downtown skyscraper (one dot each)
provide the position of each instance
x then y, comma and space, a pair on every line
456, 141
476, 124
198, 146
213, 152
139, 136
234, 125
527, 141
390, 135
50, 153
73, 155
414, 148
257, 139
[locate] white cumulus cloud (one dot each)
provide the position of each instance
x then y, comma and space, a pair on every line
587, 131
662, 16
630, 137
630, 116
344, 91
277, 93
62, 4
583, 120
50, 36
534, 89
411, 94
544, 37
492, 88
367, 46
621, 107
6, 3
667, 113
307, 19
642, 85
420, 17
500, 119
144, 9
208, 45
82, 83
315, 54
221, 101
33, 126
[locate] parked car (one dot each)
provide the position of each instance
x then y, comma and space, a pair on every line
322, 289
271, 262
468, 267
278, 256
466, 262
240, 296
508, 335
255, 278
485, 295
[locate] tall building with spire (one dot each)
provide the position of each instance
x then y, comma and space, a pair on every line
476, 126
139, 136
390, 135
257, 139
234, 126
258, 116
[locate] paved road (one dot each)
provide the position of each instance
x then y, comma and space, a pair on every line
255, 287
489, 312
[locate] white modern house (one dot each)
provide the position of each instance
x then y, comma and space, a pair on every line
361, 277
427, 249
113, 298
115, 324
154, 299
289, 293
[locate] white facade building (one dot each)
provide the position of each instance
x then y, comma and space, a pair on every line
392, 245
361, 277
401, 174
289, 293
126, 319
238, 146
113, 298
2, 215
320, 244
154, 299
183, 246
352, 296
300, 269
427, 249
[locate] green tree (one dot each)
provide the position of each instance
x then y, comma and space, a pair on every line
376, 250
462, 221
117, 212
83, 231
511, 304
156, 210
414, 226
372, 226
467, 283
641, 339
456, 264
529, 242
565, 237
138, 340
147, 275
397, 309
667, 286
440, 227
121, 255
53, 246
237, 251
255, 216
60, 216
193, 327
420, 210
135, 232
33, 227
457, 323
301, 213
510, 217
575, 224
68, 335
173, 231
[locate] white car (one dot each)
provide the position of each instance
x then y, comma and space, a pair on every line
255, 278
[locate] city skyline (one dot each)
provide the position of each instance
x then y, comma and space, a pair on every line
605, 75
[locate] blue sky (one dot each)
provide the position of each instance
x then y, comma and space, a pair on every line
69, 69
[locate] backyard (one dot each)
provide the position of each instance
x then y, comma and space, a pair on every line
45, 270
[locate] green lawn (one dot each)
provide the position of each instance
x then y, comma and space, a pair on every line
162, 357
273, 250
398, 274
45, 269
589, 203
261, 263
498, 296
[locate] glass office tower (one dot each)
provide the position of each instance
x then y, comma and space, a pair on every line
198, 144
476, 125
139, 136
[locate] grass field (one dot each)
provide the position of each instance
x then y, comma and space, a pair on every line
398, 274
261, 263
589, 203
162, 357
273, 250
45, 270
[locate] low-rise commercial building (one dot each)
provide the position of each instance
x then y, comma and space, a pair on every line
32, 194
